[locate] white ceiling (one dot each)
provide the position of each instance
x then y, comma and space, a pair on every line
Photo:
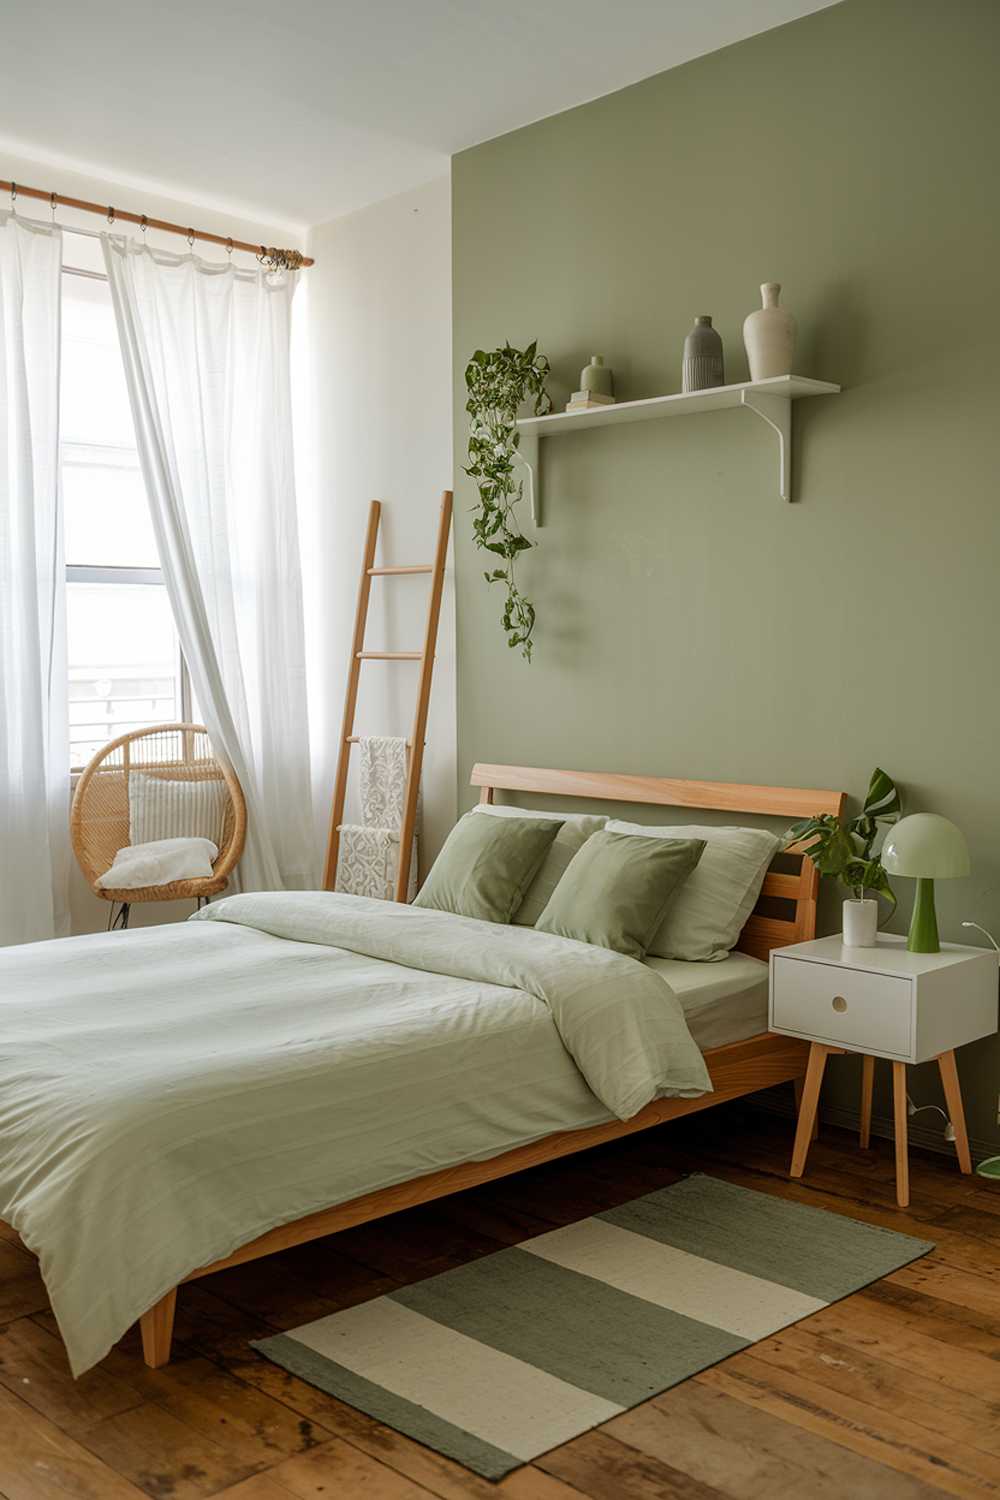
298, 113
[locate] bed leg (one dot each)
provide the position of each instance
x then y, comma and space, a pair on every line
157, 1327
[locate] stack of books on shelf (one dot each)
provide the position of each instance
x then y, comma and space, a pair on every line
588, 401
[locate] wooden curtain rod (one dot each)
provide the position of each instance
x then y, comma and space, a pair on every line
269, 255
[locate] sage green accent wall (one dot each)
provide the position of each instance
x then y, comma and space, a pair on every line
689, 622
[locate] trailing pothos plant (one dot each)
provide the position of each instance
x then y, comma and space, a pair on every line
846, 852
498, 382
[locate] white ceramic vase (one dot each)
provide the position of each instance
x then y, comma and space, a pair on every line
860, 924
769, 336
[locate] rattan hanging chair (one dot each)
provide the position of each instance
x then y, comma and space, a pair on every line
100, 817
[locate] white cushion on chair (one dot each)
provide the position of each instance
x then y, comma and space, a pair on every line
161, 807
159, 863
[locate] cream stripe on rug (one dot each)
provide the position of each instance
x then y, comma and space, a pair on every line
701, 1289
499, 1360
506, 1402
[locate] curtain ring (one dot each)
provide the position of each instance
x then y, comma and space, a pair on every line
52, 205
229, 247
190, 239
143, 223
111, 214
13, 197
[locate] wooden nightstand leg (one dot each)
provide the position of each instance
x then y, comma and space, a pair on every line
808, 1107
956, 1112
798, 1084
867, 1080
902, 1154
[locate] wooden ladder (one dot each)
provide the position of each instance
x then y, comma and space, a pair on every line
425, 657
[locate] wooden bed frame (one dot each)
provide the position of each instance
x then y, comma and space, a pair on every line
741, 1068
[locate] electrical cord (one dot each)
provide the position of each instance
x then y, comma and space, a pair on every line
991, 1166
921, 1109
985, 933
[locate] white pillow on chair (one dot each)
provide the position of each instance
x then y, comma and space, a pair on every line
159, 863
160, 807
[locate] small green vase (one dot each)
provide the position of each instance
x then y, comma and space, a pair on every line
597, 377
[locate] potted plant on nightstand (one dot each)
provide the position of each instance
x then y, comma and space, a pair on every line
846, 853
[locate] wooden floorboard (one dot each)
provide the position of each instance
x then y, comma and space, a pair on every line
893, 1392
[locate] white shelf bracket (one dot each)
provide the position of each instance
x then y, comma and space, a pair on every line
777, 413
527, 452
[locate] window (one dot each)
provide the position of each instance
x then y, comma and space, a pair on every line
125, 667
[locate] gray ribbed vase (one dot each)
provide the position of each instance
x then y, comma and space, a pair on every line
702, 367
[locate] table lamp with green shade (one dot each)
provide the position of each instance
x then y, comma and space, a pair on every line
926, 847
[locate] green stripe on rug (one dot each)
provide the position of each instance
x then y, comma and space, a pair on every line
326, 1375
822, 1254
582, 1330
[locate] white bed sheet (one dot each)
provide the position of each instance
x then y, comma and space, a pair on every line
723, 1002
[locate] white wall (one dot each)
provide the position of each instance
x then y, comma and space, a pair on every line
377, 424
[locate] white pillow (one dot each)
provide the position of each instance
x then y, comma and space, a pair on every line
552, 814
163, 808
704, 920
574, 833
159, 863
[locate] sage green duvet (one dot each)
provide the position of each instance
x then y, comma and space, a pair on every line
170, 1093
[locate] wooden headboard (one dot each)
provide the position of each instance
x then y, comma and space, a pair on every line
791, 890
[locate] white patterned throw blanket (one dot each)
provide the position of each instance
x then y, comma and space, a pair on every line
369, 850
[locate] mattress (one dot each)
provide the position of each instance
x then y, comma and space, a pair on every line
723, 1002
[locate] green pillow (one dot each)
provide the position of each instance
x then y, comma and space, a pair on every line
616, 889
573, 834
706, 920
486, 866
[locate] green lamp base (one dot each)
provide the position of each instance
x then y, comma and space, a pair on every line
923, 936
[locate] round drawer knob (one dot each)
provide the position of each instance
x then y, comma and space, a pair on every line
839, 1003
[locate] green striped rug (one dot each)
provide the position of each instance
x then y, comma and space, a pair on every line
498, 1361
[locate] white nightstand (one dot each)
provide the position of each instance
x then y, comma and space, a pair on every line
883, 1002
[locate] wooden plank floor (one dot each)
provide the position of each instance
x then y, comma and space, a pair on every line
893, 1392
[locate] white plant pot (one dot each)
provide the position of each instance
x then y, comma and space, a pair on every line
860, 924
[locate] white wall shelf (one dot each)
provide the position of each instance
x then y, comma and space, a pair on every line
771, 400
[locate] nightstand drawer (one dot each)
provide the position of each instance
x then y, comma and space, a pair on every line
847, 1007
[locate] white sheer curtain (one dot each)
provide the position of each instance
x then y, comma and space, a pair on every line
34, 741
206, 351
